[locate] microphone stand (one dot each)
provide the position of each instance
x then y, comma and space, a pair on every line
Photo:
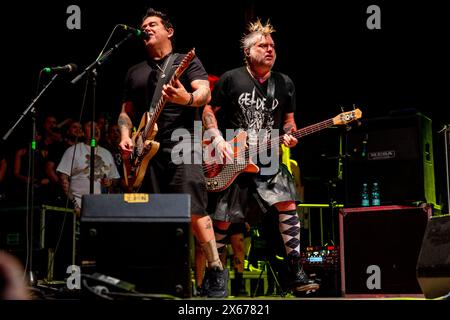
5, 137
30, 185
91, 70
93, 142
101, 59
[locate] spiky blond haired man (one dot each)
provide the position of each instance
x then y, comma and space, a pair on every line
256, 99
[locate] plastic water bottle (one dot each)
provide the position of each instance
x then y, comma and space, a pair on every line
376, 194
365, 195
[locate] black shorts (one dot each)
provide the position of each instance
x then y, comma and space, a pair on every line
251, 195
164, 176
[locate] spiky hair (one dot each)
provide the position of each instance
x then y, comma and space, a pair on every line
256, 29
257, 26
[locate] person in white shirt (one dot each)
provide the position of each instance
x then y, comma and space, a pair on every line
105, 174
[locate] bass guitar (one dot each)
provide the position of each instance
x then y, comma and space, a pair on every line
219, 176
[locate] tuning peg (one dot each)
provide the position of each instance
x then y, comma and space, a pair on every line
354, 106
342, 109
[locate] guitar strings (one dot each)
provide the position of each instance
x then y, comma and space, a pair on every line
228, 173
297, 134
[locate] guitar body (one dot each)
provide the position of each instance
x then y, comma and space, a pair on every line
221, 176
145, 148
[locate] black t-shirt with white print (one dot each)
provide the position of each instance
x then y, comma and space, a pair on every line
243, 102
140, 83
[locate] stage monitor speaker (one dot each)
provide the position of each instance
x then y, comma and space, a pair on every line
53, 239
433, 265
396, 152
379, 249
143, 239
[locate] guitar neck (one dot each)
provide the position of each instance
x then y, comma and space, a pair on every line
159, 107
162, 101
310, 129
298, 134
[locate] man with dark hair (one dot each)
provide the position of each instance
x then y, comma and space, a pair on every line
185, 98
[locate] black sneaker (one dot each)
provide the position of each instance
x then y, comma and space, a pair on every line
215, 283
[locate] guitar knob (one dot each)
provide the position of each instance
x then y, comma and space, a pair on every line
215, 183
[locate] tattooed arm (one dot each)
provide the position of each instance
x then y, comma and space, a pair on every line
64, 179
289, 123
289, 126
201, 94
125, 125
209, 117
210, 122
212, 132
178, 94
65, 183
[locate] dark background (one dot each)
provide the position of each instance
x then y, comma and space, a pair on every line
324, 46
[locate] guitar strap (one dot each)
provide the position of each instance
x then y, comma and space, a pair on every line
162, 81
270, 96
270, 92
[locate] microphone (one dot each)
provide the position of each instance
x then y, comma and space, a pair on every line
68, 68
137, 32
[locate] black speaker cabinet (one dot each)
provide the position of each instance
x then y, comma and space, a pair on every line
379, 249
53, 239
57, 238
396, 152
433, 265
143, 239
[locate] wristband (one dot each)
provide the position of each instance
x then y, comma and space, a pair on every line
191, 99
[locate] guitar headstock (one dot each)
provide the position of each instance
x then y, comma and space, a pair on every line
185, 62
347, 117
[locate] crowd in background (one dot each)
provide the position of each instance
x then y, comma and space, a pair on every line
53, 138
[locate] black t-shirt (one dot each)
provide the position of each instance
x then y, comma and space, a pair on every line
140, 83
243, 101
